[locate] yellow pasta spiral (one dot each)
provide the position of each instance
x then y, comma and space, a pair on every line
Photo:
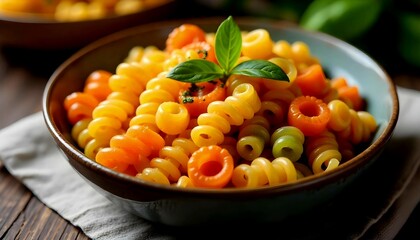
171, 163
178, 56
184, 182
274, 112
298, 52
362, 125
322, 152
263, 172
235, 80
112, 116
80, 132
158, 90
340, 115
153, 60
242, 104
108, 118
282, 96
257, 44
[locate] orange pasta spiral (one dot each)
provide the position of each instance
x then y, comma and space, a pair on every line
111, 116
80, 105
131, 149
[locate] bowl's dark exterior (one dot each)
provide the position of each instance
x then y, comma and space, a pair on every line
186, 207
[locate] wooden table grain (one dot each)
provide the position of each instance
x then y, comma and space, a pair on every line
23, 76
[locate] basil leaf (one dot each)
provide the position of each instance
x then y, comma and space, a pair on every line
260, 68
196, 70
228, 44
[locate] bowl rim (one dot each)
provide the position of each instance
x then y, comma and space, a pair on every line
307, 183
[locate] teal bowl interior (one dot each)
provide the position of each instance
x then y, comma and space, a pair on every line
186, 207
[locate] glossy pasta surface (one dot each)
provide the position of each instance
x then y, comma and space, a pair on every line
243, 132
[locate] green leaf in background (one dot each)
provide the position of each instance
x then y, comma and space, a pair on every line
345, 19
409, 41
228, 44
260, 68
196, 70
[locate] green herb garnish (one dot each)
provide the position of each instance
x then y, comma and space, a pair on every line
228, 45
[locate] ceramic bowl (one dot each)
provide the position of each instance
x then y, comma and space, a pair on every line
196, 206
35, 31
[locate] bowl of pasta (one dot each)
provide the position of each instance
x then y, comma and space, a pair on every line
58, 24
215, 120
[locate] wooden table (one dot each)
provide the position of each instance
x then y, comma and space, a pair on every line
23, 75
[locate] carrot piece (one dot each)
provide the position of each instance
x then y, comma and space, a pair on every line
309, 114
184, 35
210, 167
351, 93
338, 82
312, 81
196, 97
204, 49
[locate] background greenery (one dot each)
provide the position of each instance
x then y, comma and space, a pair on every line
387, 30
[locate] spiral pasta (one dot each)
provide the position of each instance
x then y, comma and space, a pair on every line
362, 125
299, 52
158, 90
340, 115
112, 116
257, 44
322, 152
171, 164
252, 138
262, 172
131, 149
287, 141
243, 104
236, 131
80, 133
80, 105
97, 84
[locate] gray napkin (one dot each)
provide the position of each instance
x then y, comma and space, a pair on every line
376, 207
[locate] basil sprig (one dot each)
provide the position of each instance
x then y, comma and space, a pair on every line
228, 45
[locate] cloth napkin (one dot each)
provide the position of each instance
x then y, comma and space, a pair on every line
375, 207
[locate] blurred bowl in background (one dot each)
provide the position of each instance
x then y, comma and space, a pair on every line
37, 31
